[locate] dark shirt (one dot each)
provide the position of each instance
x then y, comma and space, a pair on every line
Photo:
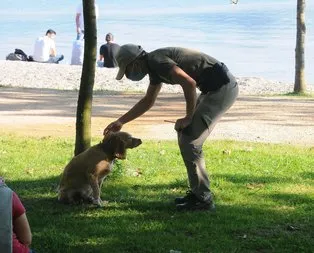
161, 61
109, 52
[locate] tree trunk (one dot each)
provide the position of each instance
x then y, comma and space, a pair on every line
299, 83
84, 104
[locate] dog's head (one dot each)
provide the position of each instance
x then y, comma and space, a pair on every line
117, 143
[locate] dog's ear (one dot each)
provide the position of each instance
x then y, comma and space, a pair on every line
116, 146
119, 148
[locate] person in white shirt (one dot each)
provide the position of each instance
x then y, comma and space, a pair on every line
79, 19
45, 49
78, 51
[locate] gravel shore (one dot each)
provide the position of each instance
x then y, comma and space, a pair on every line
67, 77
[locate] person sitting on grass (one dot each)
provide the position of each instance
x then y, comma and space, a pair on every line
108, 53
45, 49
15, 232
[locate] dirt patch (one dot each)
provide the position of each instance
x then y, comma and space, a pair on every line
45, 112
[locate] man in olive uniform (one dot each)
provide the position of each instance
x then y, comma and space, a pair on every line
191, 70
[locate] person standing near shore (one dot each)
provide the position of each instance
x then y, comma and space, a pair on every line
190, 69
45, 49
78, 51
108, 53
79, 19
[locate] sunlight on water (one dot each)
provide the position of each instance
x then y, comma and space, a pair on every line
253, 39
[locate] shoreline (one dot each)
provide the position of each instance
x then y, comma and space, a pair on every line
67, 77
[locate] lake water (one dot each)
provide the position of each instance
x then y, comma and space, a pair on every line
254, 38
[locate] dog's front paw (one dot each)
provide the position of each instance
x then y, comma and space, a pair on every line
97, 202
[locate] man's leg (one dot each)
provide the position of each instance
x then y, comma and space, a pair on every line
56, 59
209, 110
192, 153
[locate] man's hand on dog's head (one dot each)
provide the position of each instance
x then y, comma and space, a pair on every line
113, 127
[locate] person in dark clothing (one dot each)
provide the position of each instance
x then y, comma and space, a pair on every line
108, 52
191, 70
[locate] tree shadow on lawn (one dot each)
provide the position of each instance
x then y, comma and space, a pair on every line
243, 179
142, 218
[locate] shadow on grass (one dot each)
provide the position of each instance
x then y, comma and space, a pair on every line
292, 199
307, 175
247, 178
299, 94
142, 218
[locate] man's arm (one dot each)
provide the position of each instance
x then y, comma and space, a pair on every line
137, 110
143, 105
77, 21
53, 51
188, 85
101, 54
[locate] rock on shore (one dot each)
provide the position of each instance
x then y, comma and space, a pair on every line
67, 77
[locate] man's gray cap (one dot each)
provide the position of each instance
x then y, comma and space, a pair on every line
127, 54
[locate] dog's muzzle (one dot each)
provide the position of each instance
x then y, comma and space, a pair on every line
136, 142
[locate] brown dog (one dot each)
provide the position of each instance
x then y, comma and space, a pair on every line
83, 176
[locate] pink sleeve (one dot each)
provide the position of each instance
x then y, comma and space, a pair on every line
17, 207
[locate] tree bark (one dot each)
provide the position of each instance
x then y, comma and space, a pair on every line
85, 99
299, 82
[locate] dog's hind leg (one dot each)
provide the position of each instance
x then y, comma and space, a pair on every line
63, 198
93, 181
77, 197
70, 197
87, 194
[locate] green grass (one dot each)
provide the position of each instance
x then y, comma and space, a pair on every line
299, 95
263, 194
292, 95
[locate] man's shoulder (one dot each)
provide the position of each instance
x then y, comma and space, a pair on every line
161, 55
103, 46
110, 46
154, 55
175, 50
161, 52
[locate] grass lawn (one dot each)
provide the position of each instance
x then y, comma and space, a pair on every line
264, 198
